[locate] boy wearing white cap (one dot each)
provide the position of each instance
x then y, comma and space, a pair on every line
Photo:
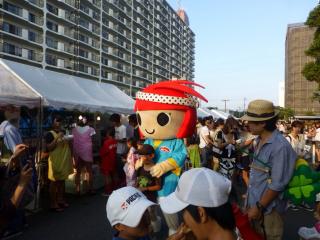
202, 198
128, 215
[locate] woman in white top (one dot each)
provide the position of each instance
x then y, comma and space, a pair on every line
296, 139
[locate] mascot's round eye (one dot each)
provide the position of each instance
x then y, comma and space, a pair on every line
139, 119
163, 119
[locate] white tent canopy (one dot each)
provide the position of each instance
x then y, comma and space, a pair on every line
204, 112
219, 114
66, 91
15, 91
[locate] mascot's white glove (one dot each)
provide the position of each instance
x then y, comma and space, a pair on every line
138, 164
161, 168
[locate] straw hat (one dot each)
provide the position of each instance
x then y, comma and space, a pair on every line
260, 110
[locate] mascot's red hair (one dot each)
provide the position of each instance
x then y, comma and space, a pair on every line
172, 95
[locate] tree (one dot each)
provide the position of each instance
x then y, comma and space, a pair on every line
311, 70
285, 113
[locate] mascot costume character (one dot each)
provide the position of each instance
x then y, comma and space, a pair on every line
166, 113
304, 184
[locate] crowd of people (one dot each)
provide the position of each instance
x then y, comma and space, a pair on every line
256, 153
225, 158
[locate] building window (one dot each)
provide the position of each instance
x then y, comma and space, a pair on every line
84, 8
83, 68
83, 53
120, 66
120, 78
52, 26
31, 55
12, 8
12, 49
51, 60
96, 16
105, 34
32, 17
104, 61
7, 27
52, 43
83, 38
52, 9
84, 23
95, 72
32, 36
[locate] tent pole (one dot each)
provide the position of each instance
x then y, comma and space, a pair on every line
38, 156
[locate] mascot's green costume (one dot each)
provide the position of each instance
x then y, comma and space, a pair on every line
304, 184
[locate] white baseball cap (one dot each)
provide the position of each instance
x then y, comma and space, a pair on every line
200, 187
127, 206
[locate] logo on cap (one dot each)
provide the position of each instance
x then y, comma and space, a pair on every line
124, 206
165, 149
130, 200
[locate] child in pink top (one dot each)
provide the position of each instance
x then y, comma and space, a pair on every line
132, 157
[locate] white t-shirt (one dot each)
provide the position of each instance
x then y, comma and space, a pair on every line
121, 133
204, 131
317, 137
298, 144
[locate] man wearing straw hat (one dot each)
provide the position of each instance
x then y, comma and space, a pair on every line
271, 170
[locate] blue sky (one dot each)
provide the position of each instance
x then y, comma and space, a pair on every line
240, 46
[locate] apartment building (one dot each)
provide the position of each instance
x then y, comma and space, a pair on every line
129, 43
298, 90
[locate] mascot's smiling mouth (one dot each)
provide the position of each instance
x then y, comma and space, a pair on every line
150, 132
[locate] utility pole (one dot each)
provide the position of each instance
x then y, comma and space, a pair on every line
225, 104
244, 104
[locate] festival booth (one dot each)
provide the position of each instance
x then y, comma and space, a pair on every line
24, 85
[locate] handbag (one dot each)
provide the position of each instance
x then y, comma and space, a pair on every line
217, 152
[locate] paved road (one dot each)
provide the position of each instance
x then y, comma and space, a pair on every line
86, 219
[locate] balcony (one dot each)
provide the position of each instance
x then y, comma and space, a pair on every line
28, 54
35, 19
71, 3
13, 9
38, 3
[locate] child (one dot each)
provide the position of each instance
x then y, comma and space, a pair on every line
146, 183
193, 152
132, 157
128, 215
108, 163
